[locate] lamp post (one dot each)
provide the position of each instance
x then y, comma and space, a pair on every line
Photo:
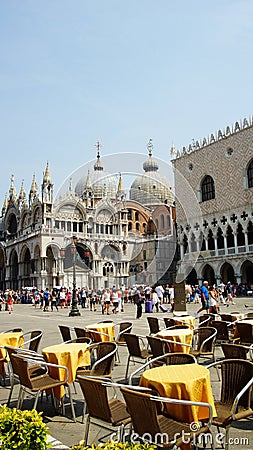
74, 309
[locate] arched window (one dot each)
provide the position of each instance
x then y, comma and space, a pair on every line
207, 189
250, 174
162, 221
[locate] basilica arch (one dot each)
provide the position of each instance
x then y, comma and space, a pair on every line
25, 266
2, 269
227, 273
208, 274
14, 270
192, 278
247, 272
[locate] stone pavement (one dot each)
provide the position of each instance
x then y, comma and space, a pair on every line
63, 428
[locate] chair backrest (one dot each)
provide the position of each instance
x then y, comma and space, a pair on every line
153, 324
96, 398
245, 331
124, 327
65, 332
35, 339
179, 358
133, 344
143, 412
222, 330
180, 327
227, 317
106, 352
169, 322
235, 374
204, 320
156, 345
82, 333
203, 334
20, 369
234, 351
14, 330
80, 340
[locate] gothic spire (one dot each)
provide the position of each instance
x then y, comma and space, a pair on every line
98, 164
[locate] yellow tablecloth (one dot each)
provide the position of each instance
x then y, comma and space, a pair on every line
181, 336
185, 382
185, 320
12, 339
72, 356
107, 328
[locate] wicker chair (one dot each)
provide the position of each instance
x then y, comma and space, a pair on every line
169, 322
124, 327
205, 320
137, 352
37, 384
103, 365
106, 413
205, 343
153, 323
157, 346
65, 333
13, 330
223, 334
228, 318
236, 391
34, 340
149, 420
234, 351
82, 332
34, 369
79, 340
245, 332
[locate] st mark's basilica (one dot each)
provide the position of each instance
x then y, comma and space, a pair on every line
109, 238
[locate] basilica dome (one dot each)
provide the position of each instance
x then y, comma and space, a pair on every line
152, 187
98, 181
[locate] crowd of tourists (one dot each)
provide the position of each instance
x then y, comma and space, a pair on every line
112, 300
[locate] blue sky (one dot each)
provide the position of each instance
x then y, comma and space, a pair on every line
121, 71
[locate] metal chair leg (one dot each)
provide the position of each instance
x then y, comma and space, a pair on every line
87, 430
72, 404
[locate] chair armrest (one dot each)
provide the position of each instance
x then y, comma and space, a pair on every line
75, 340
30, 354
103, 359
237, 398
47, 364
100, 333
187, 403
182, 344
207, 339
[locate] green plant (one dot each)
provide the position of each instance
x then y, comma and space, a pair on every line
113, 445
22, 430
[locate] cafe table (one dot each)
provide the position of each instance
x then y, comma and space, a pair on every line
183, 382
72, 356
105, 328
12, 339
184, 320
179, 336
